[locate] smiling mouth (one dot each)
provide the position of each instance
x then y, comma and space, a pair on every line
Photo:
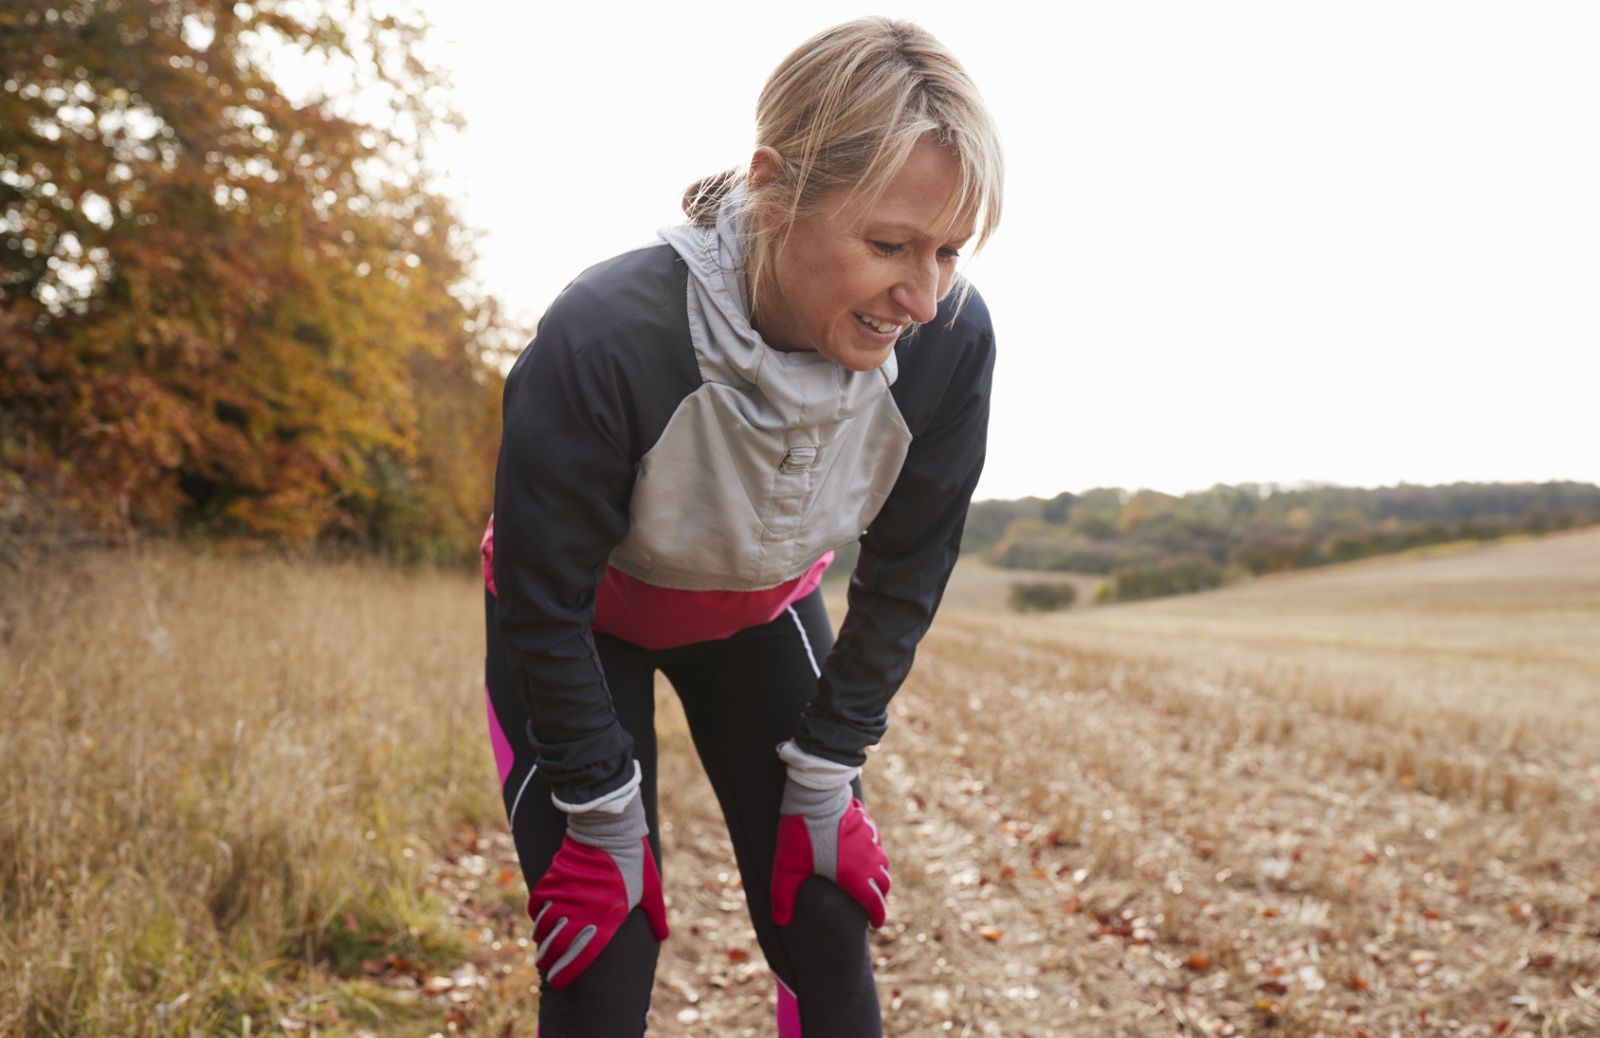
883, 327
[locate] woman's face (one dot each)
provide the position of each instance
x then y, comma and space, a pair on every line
851, 281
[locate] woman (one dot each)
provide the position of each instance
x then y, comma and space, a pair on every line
696, 425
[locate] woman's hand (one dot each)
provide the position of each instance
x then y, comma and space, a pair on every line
825, 831
603, 870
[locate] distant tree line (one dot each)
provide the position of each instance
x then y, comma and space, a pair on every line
1148, 543
229, 311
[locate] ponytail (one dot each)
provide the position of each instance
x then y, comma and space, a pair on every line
702, 198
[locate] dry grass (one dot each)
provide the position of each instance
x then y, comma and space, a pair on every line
223, 782
1358, 801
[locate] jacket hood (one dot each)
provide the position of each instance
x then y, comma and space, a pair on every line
802, 387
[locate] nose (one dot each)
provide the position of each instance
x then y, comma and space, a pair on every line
918, 292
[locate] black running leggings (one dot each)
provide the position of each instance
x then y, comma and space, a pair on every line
742, 696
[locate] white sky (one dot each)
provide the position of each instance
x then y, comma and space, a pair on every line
1275, 242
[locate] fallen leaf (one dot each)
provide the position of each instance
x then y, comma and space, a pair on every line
401, 964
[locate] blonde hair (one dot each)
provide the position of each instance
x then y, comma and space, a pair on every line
845, 110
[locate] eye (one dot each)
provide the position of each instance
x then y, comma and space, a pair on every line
950, 254
885, 248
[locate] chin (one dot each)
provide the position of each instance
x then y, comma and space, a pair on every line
855, 356
861, 361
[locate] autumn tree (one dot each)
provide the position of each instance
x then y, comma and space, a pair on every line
230, 305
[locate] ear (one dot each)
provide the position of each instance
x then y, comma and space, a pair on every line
766, 167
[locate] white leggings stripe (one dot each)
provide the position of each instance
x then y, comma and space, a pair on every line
805, 640
512, 814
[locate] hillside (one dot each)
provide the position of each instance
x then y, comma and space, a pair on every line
1509, 630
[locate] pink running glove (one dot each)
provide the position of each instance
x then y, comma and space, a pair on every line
603, 870
824, 831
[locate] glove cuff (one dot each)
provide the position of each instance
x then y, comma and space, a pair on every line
617, 833
814, 772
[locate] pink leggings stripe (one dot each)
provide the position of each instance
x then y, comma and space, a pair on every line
788, 1011
503, 757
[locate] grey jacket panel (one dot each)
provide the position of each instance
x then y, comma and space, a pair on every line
721, 503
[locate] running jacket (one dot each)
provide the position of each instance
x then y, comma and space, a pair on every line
655, 450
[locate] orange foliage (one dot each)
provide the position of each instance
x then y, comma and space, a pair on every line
226, 310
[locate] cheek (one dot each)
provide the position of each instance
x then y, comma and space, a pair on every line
862, 287
835, 293
816, 284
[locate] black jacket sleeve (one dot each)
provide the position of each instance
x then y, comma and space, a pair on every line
911, 546
561, 505
584, 402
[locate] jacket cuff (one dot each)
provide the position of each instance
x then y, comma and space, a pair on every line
614, 802
831, 741
588, 768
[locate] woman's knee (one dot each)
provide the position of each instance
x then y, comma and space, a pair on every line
828, 934
612, 995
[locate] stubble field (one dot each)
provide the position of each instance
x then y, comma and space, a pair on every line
1351, 802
